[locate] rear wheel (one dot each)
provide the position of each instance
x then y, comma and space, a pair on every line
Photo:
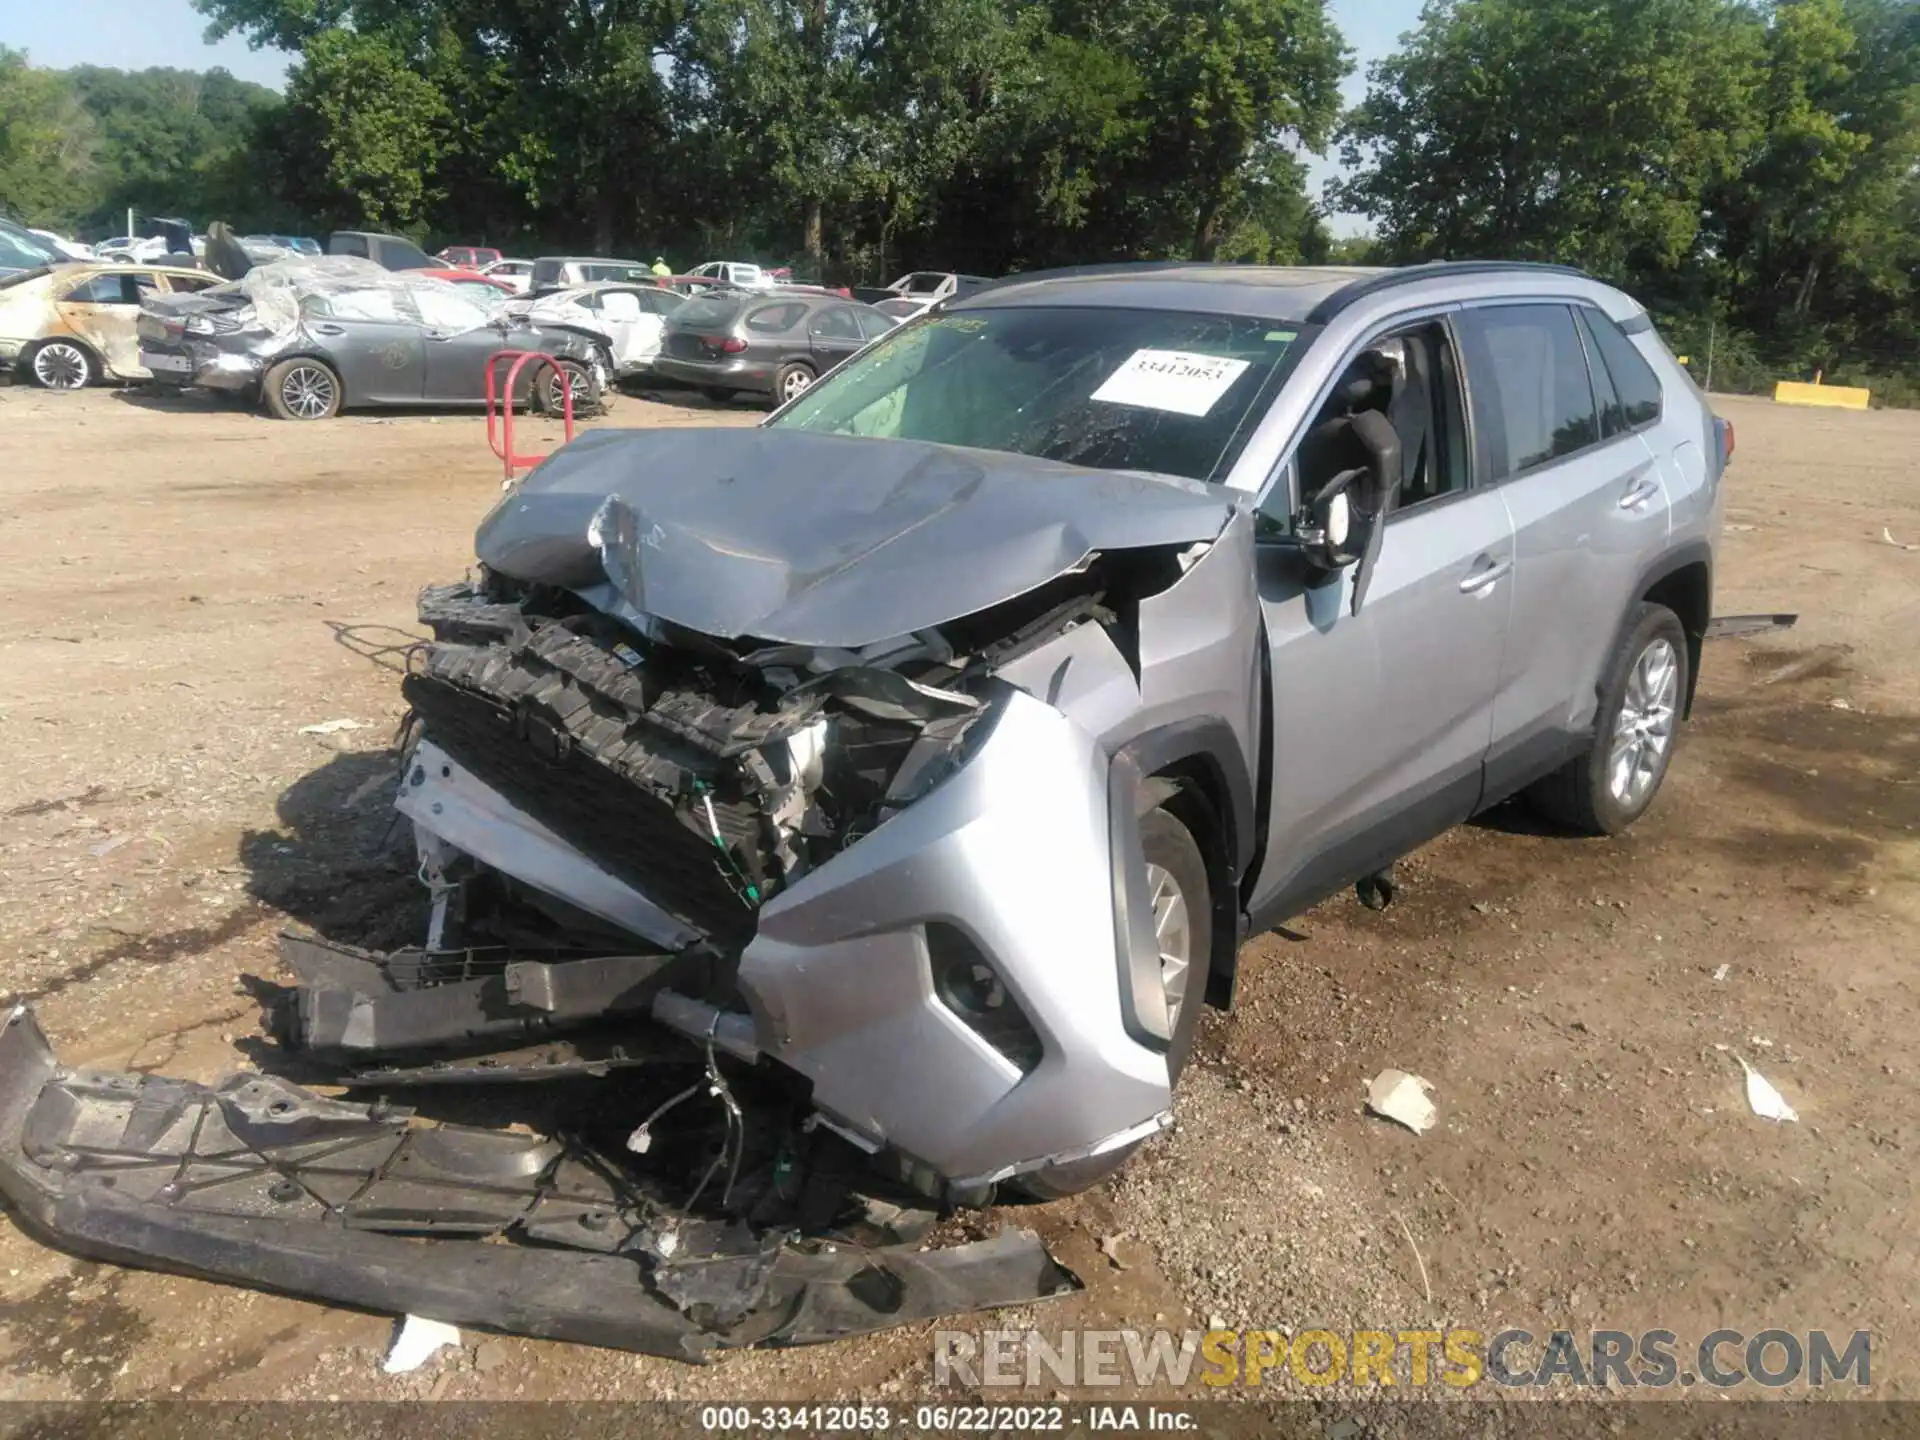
302, 389
1637, 726
62, 365
794, 379
1182, 900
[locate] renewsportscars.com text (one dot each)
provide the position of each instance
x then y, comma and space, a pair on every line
1458, 1359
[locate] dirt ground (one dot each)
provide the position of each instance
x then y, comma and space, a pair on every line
190, 585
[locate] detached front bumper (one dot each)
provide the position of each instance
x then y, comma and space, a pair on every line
259, 1182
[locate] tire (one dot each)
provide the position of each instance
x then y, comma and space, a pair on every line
792, 380
1173, 859
302, 389
1636, 731
62, 365
548, 398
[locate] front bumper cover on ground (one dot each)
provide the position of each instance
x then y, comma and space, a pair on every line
259, 1182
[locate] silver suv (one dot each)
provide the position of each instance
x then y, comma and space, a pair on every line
924, 755
977, 706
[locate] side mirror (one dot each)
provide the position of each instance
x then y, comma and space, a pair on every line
1325, 528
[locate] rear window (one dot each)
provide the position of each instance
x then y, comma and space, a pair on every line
711, 312
1167, 391
399, 255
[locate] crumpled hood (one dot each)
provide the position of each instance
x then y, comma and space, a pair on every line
811, 539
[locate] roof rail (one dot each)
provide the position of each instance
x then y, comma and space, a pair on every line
1111, 267
1432, 269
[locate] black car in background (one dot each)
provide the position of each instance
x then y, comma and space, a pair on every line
773, 343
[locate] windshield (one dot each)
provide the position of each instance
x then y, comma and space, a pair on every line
21, 249
1159, 390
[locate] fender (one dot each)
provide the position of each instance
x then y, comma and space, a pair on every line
1204, 754
1671, 563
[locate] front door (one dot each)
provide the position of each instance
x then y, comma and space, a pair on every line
460, 336
833, 335
1381, 720
376, 347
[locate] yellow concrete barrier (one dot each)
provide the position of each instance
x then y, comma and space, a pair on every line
1841, 397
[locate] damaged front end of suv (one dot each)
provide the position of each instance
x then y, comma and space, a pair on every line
852, 741
850, 828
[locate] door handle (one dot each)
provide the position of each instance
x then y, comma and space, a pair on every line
1643, 489
329, 330
1484, 575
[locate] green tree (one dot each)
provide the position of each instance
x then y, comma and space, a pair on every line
47, 145
378, 123
1586, 131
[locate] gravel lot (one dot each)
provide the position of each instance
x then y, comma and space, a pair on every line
191, 585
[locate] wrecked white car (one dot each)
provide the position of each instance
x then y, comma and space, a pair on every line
66, 327
912, 766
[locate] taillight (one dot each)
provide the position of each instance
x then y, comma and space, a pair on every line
733, 345
1725, 427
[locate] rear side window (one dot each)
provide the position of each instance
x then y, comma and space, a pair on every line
1633, 379
105, 290
772, 319
1531, 394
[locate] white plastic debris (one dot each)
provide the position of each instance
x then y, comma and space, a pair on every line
332, 727
1720, 972
1887, 535
107, 847
1765, 1101
1400, 1097
416, 1341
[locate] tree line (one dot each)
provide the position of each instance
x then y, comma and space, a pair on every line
1751, 170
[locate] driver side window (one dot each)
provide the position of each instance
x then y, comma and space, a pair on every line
1412, 376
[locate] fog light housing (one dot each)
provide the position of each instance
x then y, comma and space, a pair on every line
969, 986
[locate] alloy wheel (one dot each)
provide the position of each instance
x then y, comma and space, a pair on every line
61, 366
307, 391
1173, 933
796, 382
1643, 731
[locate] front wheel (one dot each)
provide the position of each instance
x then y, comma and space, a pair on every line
1182, 900
62, 365
561, 376
1637, 725
302, 389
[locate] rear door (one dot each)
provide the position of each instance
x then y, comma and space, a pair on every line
104, 311
1585, 496
632, 329
1381, 721
375, 344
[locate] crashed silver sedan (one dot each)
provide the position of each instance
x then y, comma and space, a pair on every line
908, 769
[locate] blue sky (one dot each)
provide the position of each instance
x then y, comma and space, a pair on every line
133, 34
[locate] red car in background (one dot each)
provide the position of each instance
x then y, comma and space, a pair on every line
469, 257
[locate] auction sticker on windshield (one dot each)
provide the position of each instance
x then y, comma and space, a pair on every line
1176, 380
